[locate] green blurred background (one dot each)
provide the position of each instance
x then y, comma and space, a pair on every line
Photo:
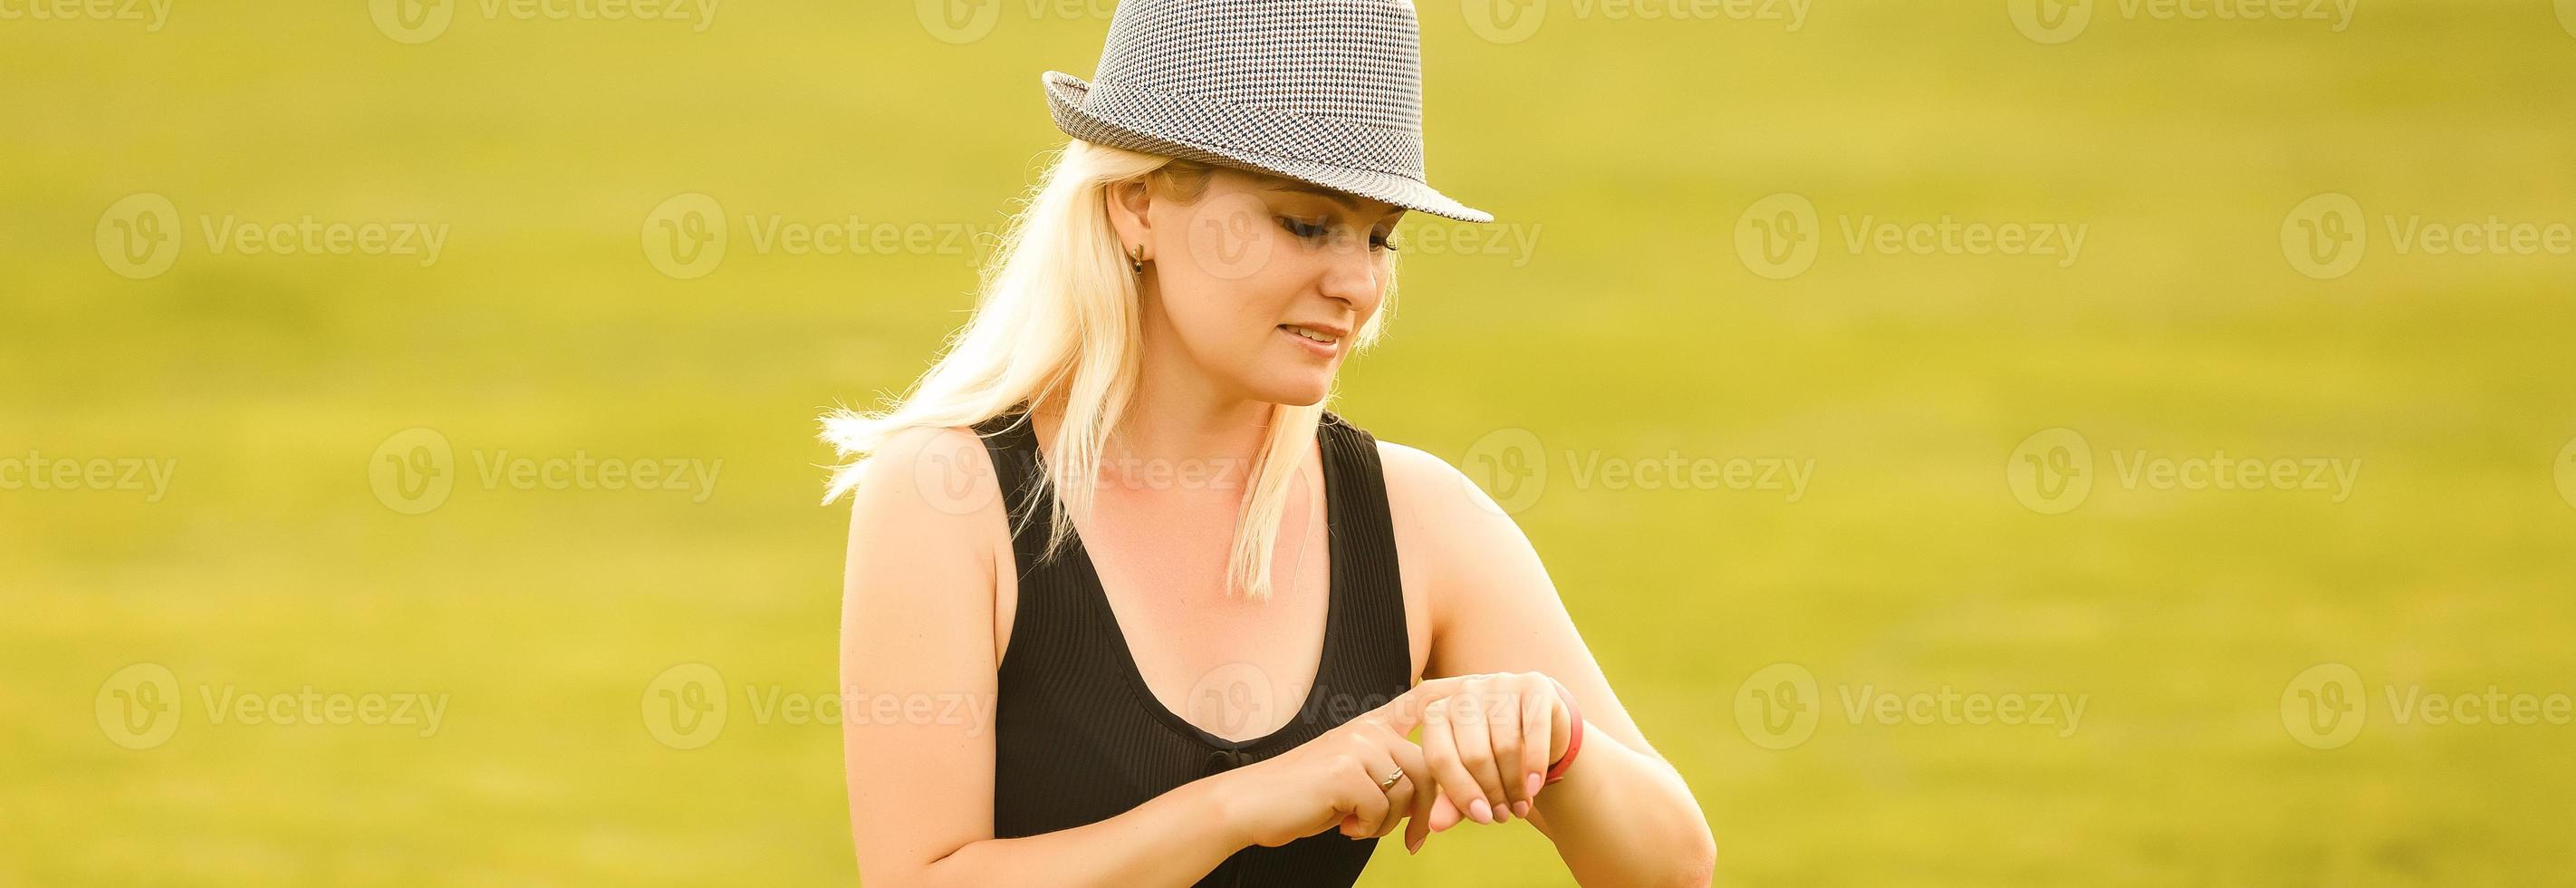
1616, 323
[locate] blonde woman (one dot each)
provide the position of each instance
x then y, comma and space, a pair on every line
1126, 605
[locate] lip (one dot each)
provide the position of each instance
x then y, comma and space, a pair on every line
1317, 348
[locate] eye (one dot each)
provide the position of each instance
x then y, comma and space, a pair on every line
1303, 228
1321, 232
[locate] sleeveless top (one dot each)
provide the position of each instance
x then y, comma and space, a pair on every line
1079, 737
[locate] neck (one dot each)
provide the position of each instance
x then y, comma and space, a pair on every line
1181, 420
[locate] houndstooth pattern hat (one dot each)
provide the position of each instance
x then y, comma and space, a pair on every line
1323, 91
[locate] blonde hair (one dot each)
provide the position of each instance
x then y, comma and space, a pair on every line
1057, 319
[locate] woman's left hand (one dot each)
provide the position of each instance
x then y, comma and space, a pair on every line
1489, 744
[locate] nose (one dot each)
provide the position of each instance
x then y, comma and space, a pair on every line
1355, 276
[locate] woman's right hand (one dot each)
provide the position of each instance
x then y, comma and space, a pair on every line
1333, 780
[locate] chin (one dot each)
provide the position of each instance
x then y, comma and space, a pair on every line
1301, 392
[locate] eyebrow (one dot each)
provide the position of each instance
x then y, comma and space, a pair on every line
1338, 197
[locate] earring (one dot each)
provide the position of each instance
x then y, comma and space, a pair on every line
1136, 258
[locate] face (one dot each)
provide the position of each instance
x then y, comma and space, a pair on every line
1261, 282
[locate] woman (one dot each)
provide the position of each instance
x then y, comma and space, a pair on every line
1125, 604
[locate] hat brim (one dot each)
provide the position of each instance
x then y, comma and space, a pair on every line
1065, 93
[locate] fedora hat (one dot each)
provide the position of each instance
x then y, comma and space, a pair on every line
1327, 92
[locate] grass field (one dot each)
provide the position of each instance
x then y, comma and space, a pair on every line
1642, 302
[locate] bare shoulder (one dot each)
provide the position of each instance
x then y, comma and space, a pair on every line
1482, 579
1444, 522
1425, 489
927, 471
927, 501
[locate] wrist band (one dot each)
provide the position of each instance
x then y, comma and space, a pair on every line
1573, 737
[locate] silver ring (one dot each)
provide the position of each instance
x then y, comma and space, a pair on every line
1389, 782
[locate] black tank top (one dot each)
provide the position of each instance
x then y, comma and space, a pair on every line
1080, 738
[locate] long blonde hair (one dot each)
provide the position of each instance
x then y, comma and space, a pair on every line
1057, 318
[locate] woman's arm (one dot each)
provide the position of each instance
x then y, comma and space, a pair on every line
1622, 815
1174, 839
918, 675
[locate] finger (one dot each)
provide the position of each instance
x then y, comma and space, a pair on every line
1471, 722
1417, 829
1368, 803
1440, 749
1399, 798
1444, 813
1509, 719
1405, 712
1538, 733
1382, 762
